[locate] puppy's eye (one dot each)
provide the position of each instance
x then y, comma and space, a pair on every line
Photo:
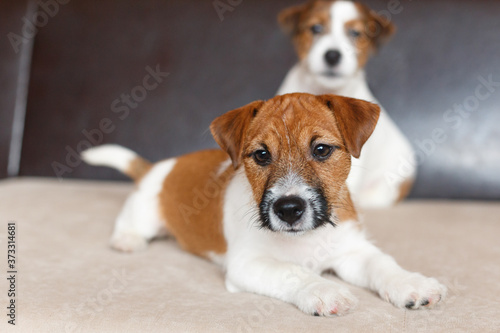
321, 151
317, 29
262, 157
353, 33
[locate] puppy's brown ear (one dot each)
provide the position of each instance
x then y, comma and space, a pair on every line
356, 120
288, 19
229, 129
378, 28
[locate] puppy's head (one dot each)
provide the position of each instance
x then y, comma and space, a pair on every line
296, 153
334, 38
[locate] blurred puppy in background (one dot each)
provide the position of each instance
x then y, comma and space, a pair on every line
334, 40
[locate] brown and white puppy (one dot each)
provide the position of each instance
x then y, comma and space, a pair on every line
272, 207
334, 39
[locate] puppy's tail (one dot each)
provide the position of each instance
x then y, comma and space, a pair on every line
118, 157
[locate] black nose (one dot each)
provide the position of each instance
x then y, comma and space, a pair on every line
289, 209
332, 57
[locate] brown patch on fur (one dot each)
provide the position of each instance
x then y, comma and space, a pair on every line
364, 47
227, 131
138, 168
355, 118
297, 22
191, 201
404, 189
288, 126
346, 212
374, 31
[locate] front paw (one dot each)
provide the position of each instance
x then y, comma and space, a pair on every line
326, 299
414, 291
128, 242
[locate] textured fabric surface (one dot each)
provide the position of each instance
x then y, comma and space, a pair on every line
69, 280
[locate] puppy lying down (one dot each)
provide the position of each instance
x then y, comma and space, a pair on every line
270, 202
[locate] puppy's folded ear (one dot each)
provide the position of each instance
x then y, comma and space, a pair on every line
229, 129
378, 28
356, 120
288, 18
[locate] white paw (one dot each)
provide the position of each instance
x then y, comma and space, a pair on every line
128, 242
326, 299
414, 291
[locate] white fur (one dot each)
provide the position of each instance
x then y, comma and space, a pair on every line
340, 12
288, 267
292, 185
140, 219
223, 166
113, 156
276, 264
375, 177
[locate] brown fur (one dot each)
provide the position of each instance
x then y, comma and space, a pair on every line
346, 211
375, 30
230, 128
192, 197
355, 118
287, 125
404, 189
297, 21
191, 201
138, 168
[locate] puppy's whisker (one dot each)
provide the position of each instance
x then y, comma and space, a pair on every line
253, 216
